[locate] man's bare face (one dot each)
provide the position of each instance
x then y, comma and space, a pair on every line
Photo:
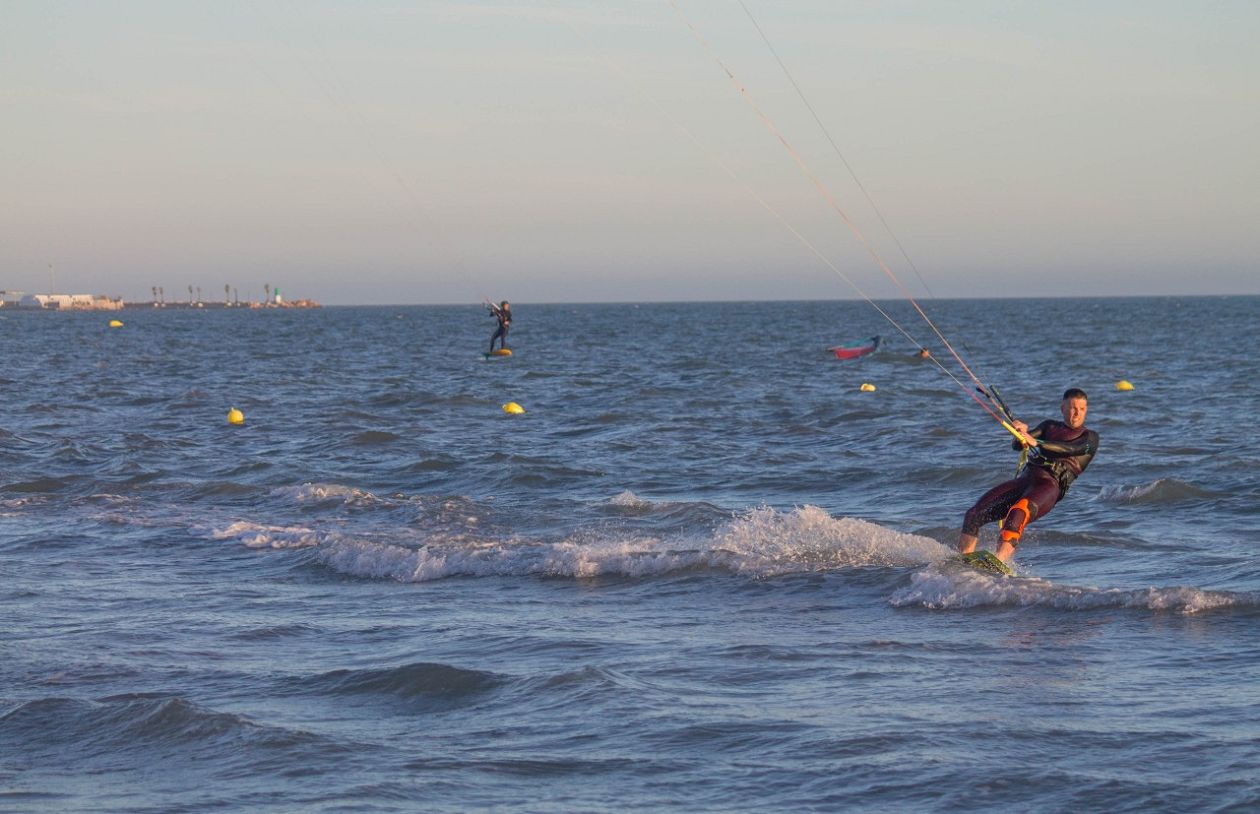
1074, 412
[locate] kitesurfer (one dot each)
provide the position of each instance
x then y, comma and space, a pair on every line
1058, 452
503, 313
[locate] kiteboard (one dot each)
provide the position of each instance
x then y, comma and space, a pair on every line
853, 352
501, 353
987, 561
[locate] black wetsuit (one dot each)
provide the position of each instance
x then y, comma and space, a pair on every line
1061, 454
504, 315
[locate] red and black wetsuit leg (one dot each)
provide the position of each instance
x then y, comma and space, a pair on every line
1017, 502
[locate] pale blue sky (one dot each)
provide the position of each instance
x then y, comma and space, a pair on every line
416, 152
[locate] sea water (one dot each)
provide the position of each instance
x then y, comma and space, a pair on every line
703, 571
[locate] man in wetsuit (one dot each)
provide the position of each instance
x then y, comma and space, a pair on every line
1058, 451
502, 312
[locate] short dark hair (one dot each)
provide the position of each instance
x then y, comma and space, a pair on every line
1074, 393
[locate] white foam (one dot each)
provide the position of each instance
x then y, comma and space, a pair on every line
631, 556
759, 543
1127, 494
107, 497
959, 587
256, 535
20, 502
629, 500
16, 507
765, 541
320, 492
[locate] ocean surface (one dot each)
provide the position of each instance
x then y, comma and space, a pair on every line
703, 571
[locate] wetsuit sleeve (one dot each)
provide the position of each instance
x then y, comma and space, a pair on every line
1035, 432
1087, 444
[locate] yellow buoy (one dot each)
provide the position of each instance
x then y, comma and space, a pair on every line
235, 416
867, 388
1124, 384
115, 323
512, 408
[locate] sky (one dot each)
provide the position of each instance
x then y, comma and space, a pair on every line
446, 152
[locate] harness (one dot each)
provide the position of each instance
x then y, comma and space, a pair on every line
1058, 469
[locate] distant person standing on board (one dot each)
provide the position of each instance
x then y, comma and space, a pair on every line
503, 313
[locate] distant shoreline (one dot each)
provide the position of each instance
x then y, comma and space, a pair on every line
106, 304
221, 306
9, 305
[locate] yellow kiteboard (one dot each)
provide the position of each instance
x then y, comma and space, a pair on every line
987, 561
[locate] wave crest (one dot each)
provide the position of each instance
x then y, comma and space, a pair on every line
1164, 490
257, 535
374, 437
409, 681
629, 500
112, 727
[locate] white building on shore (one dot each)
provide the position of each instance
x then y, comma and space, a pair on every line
71, 302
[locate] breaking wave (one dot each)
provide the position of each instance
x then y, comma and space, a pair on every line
949, 586
256, 535
325, 493
759, 543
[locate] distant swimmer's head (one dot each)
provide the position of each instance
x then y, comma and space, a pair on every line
1074, 406
923, 353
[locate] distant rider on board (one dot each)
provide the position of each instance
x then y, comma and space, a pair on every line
1058, 452
503, 313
